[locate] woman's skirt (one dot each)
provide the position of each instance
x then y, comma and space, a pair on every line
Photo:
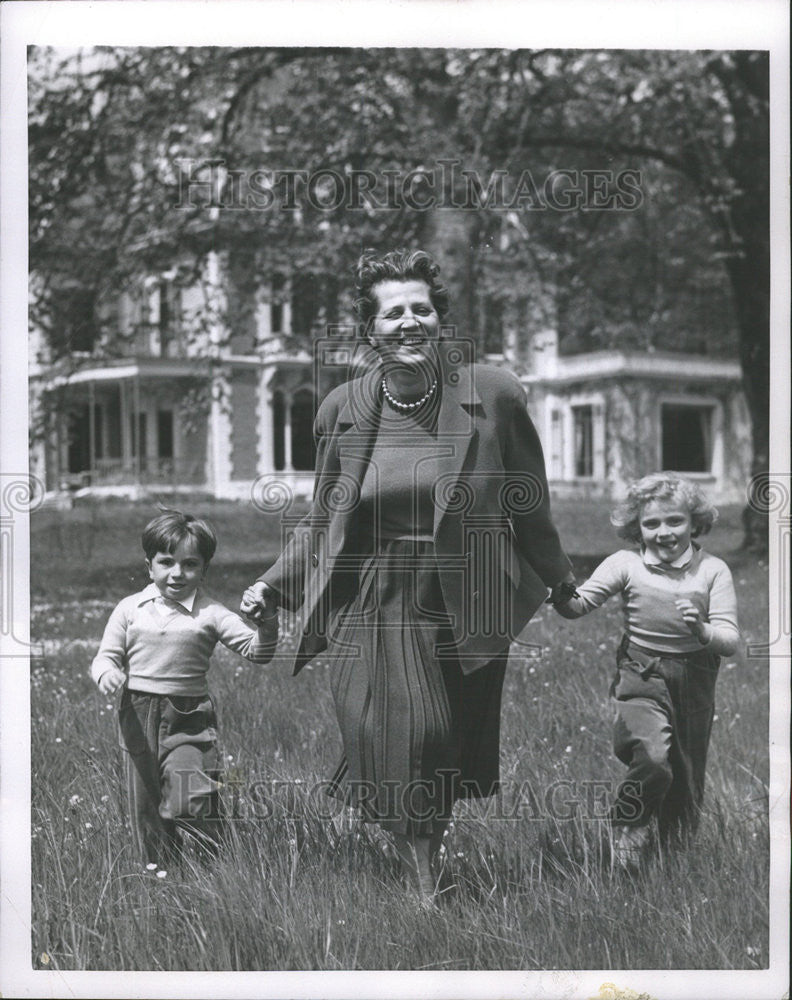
417, 732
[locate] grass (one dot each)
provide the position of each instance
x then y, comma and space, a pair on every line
295, 890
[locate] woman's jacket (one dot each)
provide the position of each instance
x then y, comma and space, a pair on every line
495, 545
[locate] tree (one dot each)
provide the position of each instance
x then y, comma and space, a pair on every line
699, 117
115, 132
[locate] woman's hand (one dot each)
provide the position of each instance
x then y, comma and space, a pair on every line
692, 618
259, 601
112, 680
563, 591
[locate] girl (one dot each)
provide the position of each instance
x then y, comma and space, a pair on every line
680, 618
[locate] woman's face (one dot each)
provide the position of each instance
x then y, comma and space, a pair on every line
406, 323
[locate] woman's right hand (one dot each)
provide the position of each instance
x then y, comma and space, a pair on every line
259, 601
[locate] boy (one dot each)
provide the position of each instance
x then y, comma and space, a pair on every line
156, 646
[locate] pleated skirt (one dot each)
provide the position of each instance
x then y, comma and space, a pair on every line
417, 732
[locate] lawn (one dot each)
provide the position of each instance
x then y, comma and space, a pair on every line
297, 890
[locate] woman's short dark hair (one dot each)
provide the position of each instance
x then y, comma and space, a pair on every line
396, 265
166, 531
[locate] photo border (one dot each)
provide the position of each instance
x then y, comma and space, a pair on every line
667, 24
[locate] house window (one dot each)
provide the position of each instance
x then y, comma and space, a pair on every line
137, 436
113, 420
302, 416
168, 316
79, 452
305, 302
276, 303
74, 320
493, 325
165, 433
556, 445
583, 430
687, 437
278, 431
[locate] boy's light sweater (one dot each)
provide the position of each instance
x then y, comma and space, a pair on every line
652, 619
165, 648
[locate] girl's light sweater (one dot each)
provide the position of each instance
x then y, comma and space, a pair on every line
168, 653
652, 619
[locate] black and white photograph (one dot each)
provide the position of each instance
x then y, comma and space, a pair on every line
395, 499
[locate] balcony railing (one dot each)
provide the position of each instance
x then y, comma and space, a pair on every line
145, 472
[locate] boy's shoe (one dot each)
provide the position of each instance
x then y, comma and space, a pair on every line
630, 844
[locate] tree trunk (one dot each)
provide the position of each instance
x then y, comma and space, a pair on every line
749, 270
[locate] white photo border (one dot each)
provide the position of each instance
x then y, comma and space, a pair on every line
657, 24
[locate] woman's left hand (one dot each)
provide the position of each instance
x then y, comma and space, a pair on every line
259, 601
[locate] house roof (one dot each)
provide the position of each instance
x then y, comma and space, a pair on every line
633, 364
113, 369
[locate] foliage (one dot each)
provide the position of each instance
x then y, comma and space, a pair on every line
115, 136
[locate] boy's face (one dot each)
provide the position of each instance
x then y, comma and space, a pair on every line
666, 528
177, 574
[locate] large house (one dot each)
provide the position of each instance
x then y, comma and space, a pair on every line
195, 398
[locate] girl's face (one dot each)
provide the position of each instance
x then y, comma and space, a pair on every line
665, 528
177, 574
406, 322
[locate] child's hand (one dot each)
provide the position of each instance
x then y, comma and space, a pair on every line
692, 618
259, 602
112, 680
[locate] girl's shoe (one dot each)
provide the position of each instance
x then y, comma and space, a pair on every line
630, 844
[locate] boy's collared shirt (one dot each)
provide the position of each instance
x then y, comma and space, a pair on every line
165, 645
167, 605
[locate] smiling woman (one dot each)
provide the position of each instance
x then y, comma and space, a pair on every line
428, 547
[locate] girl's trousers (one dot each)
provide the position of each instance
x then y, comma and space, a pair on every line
664, 709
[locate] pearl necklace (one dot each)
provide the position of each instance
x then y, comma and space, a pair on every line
399, 405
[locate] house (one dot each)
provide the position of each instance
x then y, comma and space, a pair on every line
607, 417
196, 397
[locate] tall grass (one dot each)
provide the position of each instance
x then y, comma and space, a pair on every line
529, 887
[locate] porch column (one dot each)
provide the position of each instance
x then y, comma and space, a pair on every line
266, 452
62, 438
41, 449
220, 433
136, 442
91, 430
288, 399
126, 443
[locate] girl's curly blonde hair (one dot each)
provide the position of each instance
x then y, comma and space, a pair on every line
662, 486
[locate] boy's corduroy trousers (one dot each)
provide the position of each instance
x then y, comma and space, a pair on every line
172, 769
664, 708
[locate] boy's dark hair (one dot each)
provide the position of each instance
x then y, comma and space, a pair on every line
164, 532
397, 265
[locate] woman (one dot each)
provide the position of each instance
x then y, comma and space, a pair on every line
428, 547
